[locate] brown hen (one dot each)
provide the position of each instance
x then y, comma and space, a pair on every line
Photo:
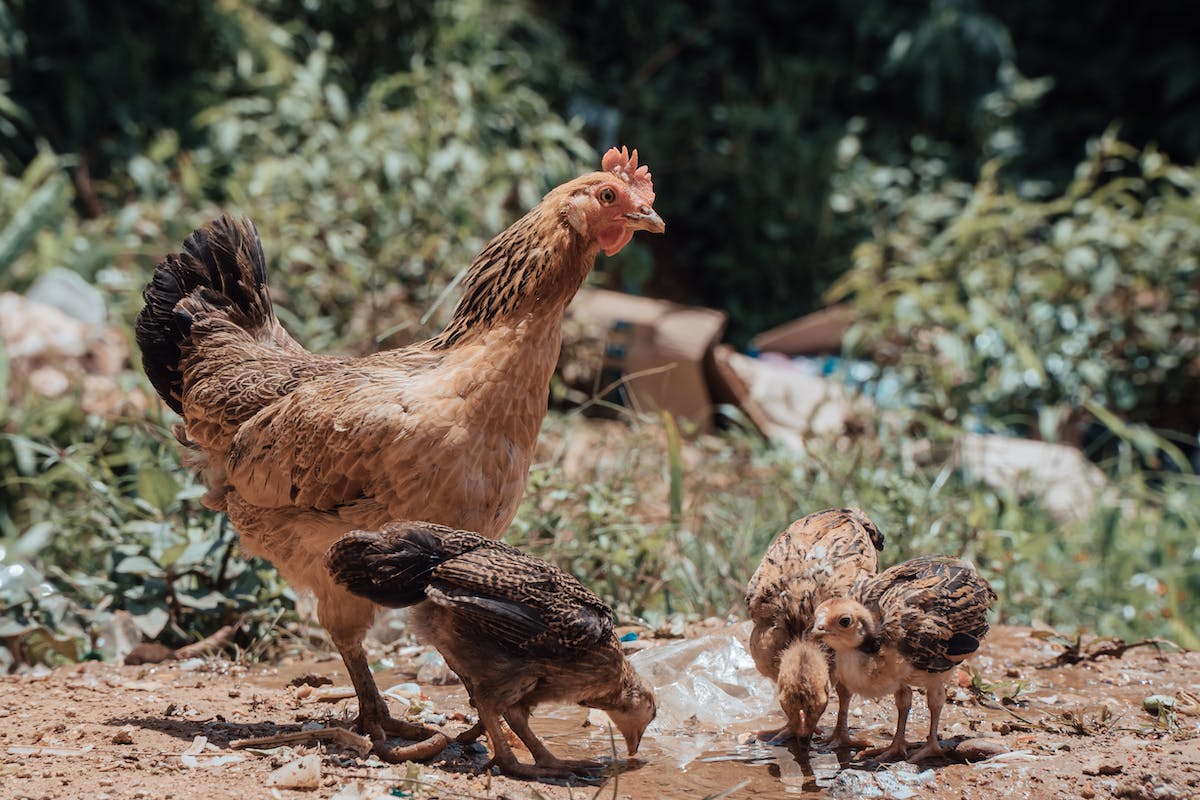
818, 557
907, 627
300, 448
517, 630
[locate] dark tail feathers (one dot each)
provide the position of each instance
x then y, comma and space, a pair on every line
221, 269
394, 566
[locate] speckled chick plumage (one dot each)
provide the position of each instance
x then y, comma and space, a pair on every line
820, 556
906, 628
517, 630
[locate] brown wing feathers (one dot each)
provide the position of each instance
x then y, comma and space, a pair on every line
933, 608
221, 268
494, 590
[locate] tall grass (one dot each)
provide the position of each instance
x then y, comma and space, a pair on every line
660, 529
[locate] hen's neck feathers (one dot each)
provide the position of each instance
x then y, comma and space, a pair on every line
534, 268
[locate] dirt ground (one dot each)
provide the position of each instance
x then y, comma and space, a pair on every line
103, 732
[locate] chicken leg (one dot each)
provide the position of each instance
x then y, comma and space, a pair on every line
898, 747
518, 720
935, 696
503, 756
841, 732
374, 719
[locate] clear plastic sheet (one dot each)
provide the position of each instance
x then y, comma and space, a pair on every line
704, 688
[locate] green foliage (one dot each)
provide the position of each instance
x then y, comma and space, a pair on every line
1014, 312
30, 203
382, 201
110, 523
1132, 565
738, 112
97, 79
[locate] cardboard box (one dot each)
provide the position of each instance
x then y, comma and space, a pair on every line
813, 334
655, 353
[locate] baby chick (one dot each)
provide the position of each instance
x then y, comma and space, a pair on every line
818, 557
517, 630
907, 627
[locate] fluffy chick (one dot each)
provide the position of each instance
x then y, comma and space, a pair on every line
516, 630
906, 628
820, 556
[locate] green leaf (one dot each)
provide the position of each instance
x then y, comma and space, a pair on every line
151, 622
138, 565
157, 487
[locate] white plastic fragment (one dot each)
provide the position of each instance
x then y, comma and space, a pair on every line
194, 756
303, 773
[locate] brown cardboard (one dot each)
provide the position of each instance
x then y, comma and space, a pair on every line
655, 351
812, 334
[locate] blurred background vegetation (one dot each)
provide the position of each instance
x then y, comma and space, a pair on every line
1006, 192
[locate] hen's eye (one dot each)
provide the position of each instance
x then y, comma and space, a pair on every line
607, 195
844, 622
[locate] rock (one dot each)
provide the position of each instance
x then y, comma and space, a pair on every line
71, 294
123, 736
1102, 767
979, 749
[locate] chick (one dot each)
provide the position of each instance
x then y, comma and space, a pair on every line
906, 628
516, 630
820, 556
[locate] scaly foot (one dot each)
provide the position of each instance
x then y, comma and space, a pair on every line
538, 772
929, 750
893, 752
842, 738
775, 736
428, 742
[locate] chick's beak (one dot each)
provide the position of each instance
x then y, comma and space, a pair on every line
646, 219
633, 741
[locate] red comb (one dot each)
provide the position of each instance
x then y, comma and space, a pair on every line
625, 166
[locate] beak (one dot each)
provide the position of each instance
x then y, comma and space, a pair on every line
646, 219
632, 742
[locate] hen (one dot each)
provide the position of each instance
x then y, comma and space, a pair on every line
907, 627
517, 630
301, 448
818, 557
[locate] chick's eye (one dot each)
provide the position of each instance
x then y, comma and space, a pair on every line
844, 622
607, 195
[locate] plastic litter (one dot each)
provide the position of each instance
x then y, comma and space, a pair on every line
303, 773
194, 756
709, 680
895, 782
432, 670
405, 692
702, 687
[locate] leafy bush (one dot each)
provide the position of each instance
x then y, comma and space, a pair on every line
1002, 310
110, 523
658, 528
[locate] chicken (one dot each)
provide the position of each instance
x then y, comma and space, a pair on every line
517, 630
299, 448
818, 557
907, 627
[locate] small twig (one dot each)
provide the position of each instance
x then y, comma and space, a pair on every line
1118, 648
213, 643
1077, 651
348, 739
